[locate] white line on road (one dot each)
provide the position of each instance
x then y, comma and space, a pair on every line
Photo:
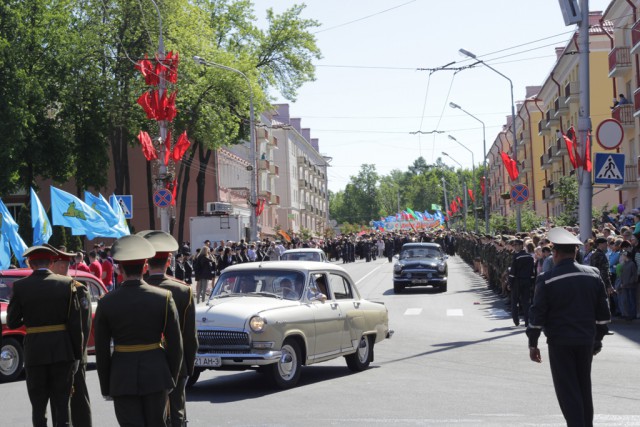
455, 312
413, 311
370, 273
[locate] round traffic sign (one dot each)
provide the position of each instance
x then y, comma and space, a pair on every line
519, 193
162, 198
609, 134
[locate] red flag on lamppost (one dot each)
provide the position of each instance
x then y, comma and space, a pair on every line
148, 149
470, 191
510, 165
181, 147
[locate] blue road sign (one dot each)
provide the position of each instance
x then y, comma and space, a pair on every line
126, 204
519, 193
609, 168
162, 198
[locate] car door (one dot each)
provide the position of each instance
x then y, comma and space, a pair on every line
96, 292
348, 302
329, 320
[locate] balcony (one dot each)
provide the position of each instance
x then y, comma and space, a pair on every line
263, 165
552, 152
265, 135
635, 38
523, 138
302, 183
525, 165
630, 178
273, 142
543, 127
636, 101
274, 200
625, 115
274, 170
551, 118
619, 61
572, 93
547, 192
265, 194
545, 162
560, 106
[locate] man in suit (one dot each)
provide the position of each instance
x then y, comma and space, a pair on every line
164, 244
48, 306
142, 321
80, 402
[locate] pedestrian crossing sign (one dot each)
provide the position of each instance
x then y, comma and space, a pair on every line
609, 168
126, 204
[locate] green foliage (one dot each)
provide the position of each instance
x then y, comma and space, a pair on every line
567, 191
305, 234
59, 236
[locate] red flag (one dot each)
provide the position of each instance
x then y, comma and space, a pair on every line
146, 102
170, 107
173, 187
181, 147
147, 146
482, 182
260, 207
470, 191
148, 71
587, 155
448, 214
167, 148
460, 202
570, 141
171, 62
510, 165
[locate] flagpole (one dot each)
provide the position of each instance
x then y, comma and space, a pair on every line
584, 124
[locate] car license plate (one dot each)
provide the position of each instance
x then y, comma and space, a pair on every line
208, 361
420, 281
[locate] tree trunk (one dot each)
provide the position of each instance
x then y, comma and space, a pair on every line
184, 177
201, 179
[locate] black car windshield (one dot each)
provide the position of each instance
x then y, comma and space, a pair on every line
420, 253
283, 284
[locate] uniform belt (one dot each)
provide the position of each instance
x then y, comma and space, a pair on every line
135, 348
48, 328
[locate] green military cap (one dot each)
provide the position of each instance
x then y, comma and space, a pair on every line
40, 252
129, 249
161, 240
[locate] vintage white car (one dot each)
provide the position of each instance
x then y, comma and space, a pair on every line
278, 316
304, 254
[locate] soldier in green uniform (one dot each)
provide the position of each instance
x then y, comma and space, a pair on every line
47, 305
142, 321
164, 244
80, 402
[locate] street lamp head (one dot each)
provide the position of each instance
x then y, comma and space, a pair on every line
445, 154
454, 105
199, 60
451, 137
467, 53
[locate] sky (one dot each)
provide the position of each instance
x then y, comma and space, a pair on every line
376, 92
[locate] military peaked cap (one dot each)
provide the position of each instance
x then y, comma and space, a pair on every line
161, 240
132, 248
560, 236
40, 252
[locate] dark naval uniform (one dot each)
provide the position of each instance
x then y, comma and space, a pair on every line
183, 297
48, 306
521, 277
570, 306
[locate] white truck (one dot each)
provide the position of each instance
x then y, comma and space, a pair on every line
216, 228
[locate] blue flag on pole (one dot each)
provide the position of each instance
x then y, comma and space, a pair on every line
5, 253
10, 232
69, 211
39, 221
102, 207
122, 226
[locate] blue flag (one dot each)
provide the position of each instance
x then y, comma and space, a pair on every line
9, 230
102, 207
5, 253
39, 221
122, 226
69, 211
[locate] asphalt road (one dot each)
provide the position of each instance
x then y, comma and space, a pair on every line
455, 359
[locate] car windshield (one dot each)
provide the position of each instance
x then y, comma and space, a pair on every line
281, 284
420, 253
300, 256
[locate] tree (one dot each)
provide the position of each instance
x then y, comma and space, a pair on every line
567, 191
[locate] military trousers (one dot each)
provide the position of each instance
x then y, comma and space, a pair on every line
148, 410
177, 404
51, 382
571, 373
80, 403
520, 298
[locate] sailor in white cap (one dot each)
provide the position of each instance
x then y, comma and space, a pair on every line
571, 305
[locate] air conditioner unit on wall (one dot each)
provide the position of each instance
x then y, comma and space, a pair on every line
219, 207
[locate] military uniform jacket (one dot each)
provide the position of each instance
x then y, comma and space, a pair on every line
137, 313
569, 301
599, 260
46, 299
183, 297
86, 311
522, 267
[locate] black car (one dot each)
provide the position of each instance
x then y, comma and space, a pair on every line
420, 264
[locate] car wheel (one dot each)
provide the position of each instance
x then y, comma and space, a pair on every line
360, 360
443, 288
286, 372
397, 288
194, 377
11, 360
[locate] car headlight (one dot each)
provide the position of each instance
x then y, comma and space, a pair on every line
397, 268
441, 268
257, 323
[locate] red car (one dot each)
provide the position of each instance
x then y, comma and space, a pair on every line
11, 356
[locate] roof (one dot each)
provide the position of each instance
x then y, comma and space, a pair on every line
286, 265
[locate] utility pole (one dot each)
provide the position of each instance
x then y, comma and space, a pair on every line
585, 191
444, 188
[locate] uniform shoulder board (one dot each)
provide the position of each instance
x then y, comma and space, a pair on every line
78, 284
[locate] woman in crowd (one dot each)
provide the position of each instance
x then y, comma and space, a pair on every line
204, 268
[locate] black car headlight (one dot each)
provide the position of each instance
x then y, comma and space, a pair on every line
441, 268
397, 268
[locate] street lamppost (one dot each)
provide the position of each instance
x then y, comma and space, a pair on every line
473, 172
485, 198
513, 123
464, 189
252, 168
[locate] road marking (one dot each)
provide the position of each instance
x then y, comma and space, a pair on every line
455, 312
413, 311
370, 273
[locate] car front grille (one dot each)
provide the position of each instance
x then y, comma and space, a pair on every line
223, 341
